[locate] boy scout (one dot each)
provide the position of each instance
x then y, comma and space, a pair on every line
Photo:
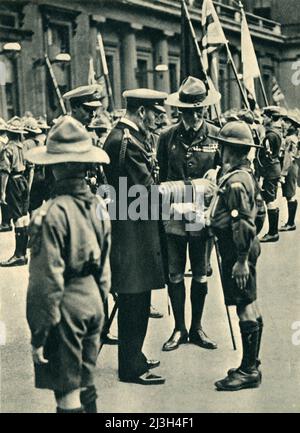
15, 191
69, 273
236, 215
5, 225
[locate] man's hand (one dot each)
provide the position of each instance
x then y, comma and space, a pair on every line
38, 355
240, 272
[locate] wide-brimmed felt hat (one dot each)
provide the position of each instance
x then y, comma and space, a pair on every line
31, 125
3, 125
67, 141
237, 133
90, 96
193, 94
292, 119
16, 125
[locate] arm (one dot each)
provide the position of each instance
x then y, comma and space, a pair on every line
162, 157
3, 185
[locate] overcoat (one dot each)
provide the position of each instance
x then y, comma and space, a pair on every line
136, 255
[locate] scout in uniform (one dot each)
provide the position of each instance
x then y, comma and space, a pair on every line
269, 168
186, 152
69, 272
136, 259
15, 191
236, 215
5, 225
289, 173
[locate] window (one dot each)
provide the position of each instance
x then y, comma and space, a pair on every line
142, 73
7, 20
9, 91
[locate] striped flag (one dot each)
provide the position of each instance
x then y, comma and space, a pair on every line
277, 92
213, 36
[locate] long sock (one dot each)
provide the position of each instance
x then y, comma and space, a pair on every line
249, 332
77, 410
88, 399
24, 241
292, 207
19, 242
177, 297
260, 331
198, 295
273, 215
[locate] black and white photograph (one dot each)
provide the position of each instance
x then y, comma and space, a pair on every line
149, 219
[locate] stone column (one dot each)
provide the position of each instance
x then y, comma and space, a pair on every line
129, 62
235, 94
162, 79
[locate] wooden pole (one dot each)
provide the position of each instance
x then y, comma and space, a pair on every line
57, 90
105, 71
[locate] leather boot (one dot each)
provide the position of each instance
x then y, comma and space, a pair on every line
272, 235
290, 225
197, 335
18, 258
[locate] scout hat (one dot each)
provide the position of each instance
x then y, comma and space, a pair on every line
16, 125
247, 116
237, 133
67, 141
145, 97
3, 125
31, 125
274, 111
90, 96
42, 123
292, 119
193, 94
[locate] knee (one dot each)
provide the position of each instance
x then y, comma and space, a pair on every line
176, 278
246, 312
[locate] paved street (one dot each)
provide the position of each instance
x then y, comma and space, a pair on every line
190, 371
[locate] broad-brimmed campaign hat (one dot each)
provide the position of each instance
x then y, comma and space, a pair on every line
193, 94
144, 97
67, 141
16, 125
237, 133
31, 125
90, 96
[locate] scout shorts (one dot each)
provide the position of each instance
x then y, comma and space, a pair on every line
17, 196
290, 186
269, 190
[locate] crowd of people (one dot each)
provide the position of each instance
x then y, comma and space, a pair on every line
77, 255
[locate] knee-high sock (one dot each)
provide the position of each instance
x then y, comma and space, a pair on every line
292, 208
273, 216
198, 295
88, 399
260, 331
177, 297
249, 333
19, 241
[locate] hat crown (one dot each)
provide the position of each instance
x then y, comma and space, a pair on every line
31, 123
192, 90
237, 132
15, 124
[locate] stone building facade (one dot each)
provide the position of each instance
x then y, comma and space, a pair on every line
137, 35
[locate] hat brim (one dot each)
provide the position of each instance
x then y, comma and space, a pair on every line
17, 131
40, 156
93, 104
292, 120
211, 99
35, 131
223, 141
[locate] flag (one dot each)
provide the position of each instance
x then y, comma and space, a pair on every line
212, 33
92, 73
250, 64
276, 92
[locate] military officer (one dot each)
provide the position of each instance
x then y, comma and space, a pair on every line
268, 164
15, 191
69, 273
236, 215
136, 259
290, 170
186, 152
5, 225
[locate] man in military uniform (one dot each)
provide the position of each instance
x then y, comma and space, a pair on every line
236, 215
69, 273
5, 225
15, 191
136, 260
289, 173
186, 152
269, 168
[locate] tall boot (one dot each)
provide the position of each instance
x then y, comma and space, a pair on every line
272, 235
247, 375
179, 335
18, 258
24, 241
260, 331
290, 225
197, 335
88, 399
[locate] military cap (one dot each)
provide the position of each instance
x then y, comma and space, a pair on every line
247, 116
193, 94
31, 125
89, 96
145, 97
237, 133
67, 141
274, 110
3, 125
16, 125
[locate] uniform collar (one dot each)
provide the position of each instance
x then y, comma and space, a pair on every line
188, 128
76, 187
130, 123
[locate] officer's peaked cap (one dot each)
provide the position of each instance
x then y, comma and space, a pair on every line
86, 95
67, 141
237, 133
144, 97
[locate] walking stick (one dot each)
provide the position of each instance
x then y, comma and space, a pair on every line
222, 281
110, 320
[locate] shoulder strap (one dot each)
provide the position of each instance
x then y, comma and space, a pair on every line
123, 148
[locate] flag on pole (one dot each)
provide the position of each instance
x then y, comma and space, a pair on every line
92, 74
250, 64
213, 35
277, 92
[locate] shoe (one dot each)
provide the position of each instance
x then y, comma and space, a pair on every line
233, 370
288, 228
198, 337
15, 261
154, 313
5, 228
152, 363
177, 338
109, 339
147, 378
269, 238
239, 380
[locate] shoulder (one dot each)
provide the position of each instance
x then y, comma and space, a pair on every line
212, 129
241, 180
115, 136
271, 134
167, 132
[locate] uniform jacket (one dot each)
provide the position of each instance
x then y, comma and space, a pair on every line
136, 258
12, 159
185, 156
291, 153
268, 156
69, 266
